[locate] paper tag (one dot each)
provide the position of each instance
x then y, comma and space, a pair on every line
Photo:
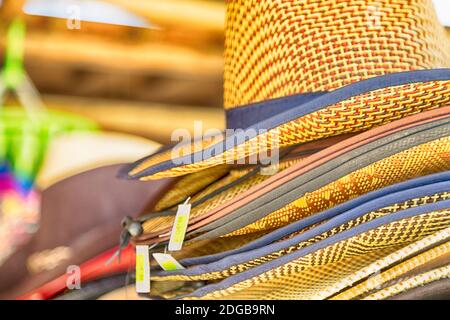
179, 227
167, 262
142, 269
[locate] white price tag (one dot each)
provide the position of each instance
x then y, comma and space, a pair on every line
179, 227
142, 269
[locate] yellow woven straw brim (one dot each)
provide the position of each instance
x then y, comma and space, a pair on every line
190, 185
424, 159
417, 253
397, 271
352, 115
212, 246
157, 224
418, 161
319, 274
338, 229
413, 282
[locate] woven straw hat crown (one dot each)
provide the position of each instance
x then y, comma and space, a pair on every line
275, 48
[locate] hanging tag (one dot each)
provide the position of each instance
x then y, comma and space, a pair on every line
180, 226
167, 262
142, 269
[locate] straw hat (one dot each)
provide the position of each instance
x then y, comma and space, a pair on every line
302, 70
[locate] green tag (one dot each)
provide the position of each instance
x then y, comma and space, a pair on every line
140, 267
14, 71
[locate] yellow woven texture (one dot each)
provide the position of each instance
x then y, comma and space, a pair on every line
212, 246
315, 275
397, 271
413, 282
276, 48
346, 226
355, 114
189, 185
421, 160
160, 223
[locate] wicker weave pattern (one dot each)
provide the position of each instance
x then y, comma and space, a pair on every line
353, 115
308, 277
212, 246
189, 185
346, 226
413, 282
276, 48
421, 160
393, 273
161, 223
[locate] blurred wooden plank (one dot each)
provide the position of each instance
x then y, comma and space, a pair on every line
11, 9
174, 65
90, 65
95, 66
207, 16
178, 26
154, 121
65, 79
133, 57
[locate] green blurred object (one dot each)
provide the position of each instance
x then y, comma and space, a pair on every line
24, 139
14, 71
26, 132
